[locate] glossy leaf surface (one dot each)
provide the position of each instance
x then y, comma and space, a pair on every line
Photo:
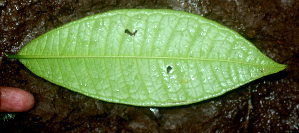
146, 57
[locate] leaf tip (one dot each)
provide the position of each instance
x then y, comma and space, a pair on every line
284, 66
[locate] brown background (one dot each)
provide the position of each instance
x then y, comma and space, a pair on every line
269, 104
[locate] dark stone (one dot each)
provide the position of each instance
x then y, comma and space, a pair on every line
270, 104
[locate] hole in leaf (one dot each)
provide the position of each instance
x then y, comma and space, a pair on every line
168, 69
130, 33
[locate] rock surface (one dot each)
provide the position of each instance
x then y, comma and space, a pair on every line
270, 104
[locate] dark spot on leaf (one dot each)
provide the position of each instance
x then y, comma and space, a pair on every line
130, 33
168, 69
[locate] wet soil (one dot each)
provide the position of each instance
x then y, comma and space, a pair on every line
269, 104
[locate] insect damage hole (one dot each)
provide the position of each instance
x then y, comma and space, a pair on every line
130, 33
168, 69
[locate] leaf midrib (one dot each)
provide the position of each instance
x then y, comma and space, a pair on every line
134, 57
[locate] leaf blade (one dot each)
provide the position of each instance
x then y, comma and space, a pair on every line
95, 57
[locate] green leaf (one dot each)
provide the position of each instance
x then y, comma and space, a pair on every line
146, 57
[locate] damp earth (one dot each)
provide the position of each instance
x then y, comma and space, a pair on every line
269, 104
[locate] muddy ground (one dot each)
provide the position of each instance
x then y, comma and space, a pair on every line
269, 104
